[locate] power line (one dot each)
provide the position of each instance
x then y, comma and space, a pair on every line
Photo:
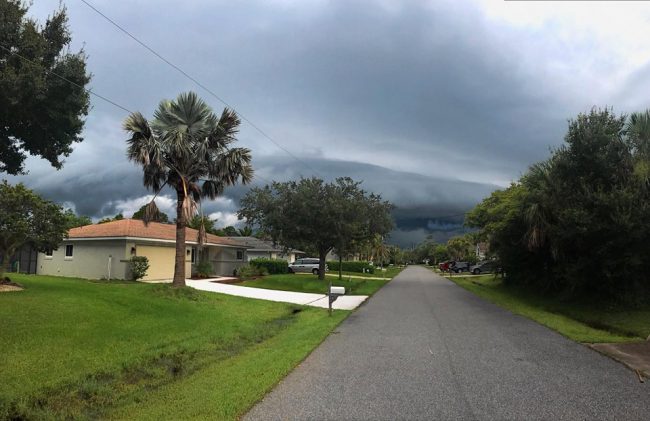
102, 97
67, 80
193, 79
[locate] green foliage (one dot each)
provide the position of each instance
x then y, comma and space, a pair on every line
204, 268
311, 214
461, 248
117, 217
139, 266
26, 218
156, 216
351, 266
251, 271
143, 351
272, 266
41, 114
247, 231
576, 224
188, 148
73, 221
582, 321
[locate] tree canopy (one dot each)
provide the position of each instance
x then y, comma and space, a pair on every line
73, 220
41, 113
576, 224
26, 218
310, 214
157, 215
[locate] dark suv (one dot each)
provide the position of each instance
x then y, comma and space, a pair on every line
488, 266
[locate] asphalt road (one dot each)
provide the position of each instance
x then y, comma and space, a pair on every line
424, 348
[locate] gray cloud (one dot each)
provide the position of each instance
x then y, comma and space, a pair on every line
432, 104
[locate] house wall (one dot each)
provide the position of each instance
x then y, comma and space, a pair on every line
224, 260
90, 260
162, 257
289, 257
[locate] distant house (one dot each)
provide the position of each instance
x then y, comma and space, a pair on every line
257, 248
103, 251
481, 250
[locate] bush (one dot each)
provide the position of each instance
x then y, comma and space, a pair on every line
273, 266
203, 269
139, 267
359, 267
250, 271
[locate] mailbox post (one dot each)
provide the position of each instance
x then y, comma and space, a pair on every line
334, 293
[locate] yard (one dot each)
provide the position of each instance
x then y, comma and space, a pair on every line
389, 273
74, 348
311, 283
582, 322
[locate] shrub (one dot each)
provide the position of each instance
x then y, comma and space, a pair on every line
203, 269
250, 271
273, 266
360, 267
139, 267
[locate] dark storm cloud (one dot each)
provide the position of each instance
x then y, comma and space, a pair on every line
414, 98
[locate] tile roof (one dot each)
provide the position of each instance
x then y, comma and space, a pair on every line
137, 228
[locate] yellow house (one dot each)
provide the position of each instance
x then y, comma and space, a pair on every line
103, 251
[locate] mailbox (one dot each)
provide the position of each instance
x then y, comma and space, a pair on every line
337, 290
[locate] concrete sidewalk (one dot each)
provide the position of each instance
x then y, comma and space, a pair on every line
346, 302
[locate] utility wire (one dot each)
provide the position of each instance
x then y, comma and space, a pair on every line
90, 91
102, 97
193, 79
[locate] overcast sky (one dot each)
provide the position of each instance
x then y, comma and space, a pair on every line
432, 104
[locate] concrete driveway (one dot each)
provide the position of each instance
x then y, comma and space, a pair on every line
424, 348
346, 302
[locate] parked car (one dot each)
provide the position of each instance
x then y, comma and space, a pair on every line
485, 267
305, 265
444, 266
459, 267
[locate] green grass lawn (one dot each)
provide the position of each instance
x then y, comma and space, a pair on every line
82, 349
582, 322
389, 273
311, 283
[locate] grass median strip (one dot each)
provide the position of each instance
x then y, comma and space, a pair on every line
81, 349
580, 321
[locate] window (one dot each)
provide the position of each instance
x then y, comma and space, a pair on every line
240, 255
193, 259
48, 253
68, 250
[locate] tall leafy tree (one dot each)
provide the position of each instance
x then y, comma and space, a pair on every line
187, 147
41, 113
313, 215
157, 216
73, 220
576, 224
26, 218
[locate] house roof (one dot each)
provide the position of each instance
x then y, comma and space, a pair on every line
257, 244
136, 228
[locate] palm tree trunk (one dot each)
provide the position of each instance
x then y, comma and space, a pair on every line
179, 265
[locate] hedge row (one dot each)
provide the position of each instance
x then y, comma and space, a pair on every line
360, 267
273, 266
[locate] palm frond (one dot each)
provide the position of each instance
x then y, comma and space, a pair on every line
151, 211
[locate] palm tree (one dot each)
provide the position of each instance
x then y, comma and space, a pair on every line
638, 131
185, 147
247, 231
